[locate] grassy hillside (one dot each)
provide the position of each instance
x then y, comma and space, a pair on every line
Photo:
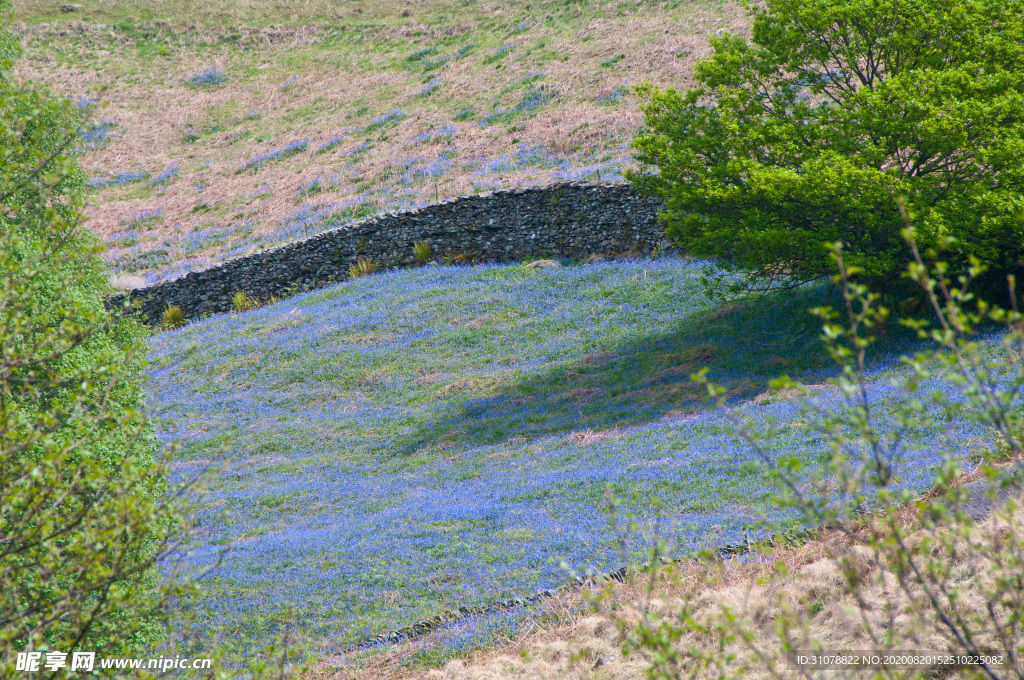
416, 441
223, 127
411, 442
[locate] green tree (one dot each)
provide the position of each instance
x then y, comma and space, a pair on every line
83, 508
808, 133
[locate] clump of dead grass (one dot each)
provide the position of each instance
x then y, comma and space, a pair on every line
127, 281
587, 437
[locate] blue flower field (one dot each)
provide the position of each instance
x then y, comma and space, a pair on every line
415, 441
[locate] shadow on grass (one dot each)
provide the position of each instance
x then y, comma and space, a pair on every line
744, 345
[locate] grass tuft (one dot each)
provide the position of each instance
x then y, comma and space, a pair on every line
208, 79
173, 317
98, 135
390, 118
361, 267
422, 252
121, 179
257, 162
330, 144
430, 87
497, 54
165, 177
241, 302
422, 54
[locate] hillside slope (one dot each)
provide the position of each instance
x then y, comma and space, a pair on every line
404, 444
220, 128
408, 443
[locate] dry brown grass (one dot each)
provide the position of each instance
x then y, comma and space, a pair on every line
542, 264
791, 393
587, 437
598, 359
126, 281
335, 78
784, 580
722, 312
429, 378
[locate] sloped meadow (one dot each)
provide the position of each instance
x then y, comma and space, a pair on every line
216, 130
415, 441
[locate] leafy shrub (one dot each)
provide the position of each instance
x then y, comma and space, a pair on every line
806, 134
173, 317
361, 267
422, 251
83, 512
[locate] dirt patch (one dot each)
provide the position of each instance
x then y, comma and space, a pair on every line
587, 437
456, 387
686, 392
478, 322
581, 396
700, 354
598, 359
791, 393
723, 312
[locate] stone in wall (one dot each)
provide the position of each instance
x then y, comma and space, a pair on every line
562, 220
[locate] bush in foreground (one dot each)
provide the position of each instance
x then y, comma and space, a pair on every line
937, 577
83, 515
808, 132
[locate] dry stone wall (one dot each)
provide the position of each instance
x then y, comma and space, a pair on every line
561, 220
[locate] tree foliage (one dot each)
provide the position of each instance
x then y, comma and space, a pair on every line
83, 514
809, 132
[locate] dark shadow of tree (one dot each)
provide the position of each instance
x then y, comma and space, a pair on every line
743, 344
